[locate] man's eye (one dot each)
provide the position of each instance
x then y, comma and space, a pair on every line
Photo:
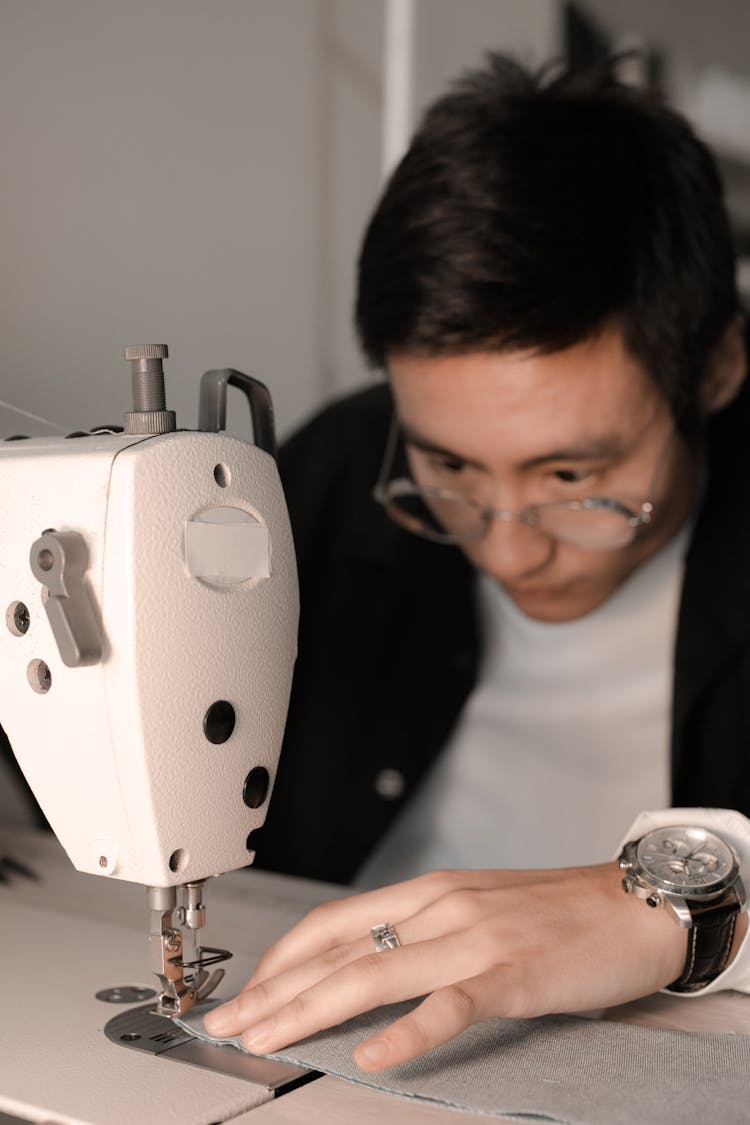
572, 476
446, 464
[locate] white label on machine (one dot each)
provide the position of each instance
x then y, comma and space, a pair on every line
227, 545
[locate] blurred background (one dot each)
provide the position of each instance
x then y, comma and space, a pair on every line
200, 174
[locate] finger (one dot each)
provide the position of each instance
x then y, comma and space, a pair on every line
260, 998
345, 920
441, 1016
256, 1001
368, 982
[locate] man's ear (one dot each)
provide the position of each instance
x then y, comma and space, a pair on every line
727, 368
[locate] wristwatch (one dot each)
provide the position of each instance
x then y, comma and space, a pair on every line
696, 876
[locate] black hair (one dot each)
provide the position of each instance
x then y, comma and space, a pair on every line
532, 210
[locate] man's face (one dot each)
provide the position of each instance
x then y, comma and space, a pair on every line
517, 428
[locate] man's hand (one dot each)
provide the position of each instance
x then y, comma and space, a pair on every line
474, 943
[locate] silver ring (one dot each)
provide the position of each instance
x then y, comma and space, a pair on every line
385, 937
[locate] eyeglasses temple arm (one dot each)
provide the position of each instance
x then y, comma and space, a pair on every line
379, 491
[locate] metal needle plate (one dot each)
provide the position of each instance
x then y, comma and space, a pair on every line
142, 1029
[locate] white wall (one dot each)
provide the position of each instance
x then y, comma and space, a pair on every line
351, 124
199, 175
161, 165
453, 35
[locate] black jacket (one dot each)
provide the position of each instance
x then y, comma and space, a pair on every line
389, 644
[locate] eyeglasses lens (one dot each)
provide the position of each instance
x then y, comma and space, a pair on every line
441, 517
590, 528
452, 519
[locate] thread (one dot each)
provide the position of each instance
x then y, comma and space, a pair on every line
32, 417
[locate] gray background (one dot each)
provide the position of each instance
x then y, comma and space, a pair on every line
200, 173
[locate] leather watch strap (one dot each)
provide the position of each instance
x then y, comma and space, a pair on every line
709, 942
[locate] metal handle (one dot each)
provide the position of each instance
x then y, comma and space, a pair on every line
212, 411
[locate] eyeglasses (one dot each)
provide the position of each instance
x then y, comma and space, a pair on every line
595, 523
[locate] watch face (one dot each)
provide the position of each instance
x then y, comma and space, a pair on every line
686, 860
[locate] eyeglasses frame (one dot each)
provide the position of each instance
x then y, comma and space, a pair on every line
386, 490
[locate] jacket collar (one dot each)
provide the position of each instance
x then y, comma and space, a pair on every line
714, 614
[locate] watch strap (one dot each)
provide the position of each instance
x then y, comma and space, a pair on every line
709, 942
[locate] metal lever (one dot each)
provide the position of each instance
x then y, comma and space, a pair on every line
59, 560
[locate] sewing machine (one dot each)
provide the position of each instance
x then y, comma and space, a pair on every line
149, 588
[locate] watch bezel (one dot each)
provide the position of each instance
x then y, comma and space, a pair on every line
687, 890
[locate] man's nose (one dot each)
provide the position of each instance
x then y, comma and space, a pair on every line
512, 550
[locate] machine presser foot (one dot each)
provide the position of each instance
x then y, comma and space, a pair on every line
181, 965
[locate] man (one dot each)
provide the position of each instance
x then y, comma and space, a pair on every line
549, 272
548, 282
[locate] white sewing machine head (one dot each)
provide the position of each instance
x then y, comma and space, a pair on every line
150, 594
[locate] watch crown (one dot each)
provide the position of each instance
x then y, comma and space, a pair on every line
627, 884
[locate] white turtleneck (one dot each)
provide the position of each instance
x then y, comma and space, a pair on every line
564, 740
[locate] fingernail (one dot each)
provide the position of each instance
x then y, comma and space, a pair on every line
372, 1055
218, 1020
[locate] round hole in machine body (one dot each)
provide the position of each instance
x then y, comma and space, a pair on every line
219, 722
178, 859
255, 789
222, 475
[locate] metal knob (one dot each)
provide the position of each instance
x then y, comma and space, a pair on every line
146, 351
149, 414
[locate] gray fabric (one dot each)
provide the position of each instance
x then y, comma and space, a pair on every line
560, 1069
